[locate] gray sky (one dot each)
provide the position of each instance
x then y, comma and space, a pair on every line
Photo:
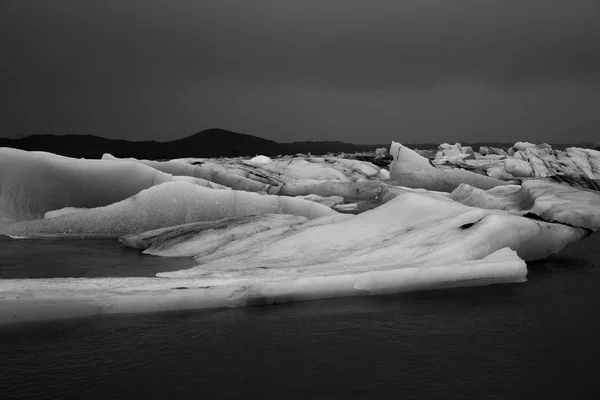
362, 71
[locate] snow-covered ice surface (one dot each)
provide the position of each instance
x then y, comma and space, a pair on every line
266, 231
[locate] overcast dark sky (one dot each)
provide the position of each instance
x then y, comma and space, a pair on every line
362, 71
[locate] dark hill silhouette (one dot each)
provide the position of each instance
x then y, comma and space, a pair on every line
207, 143
220, 142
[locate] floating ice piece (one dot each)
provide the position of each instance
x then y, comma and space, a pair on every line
541, 161
181, 168
414, 242
349, 191
63, 211
277, 171
203, 238
168, 204
411, 229
33, 183
412, 170
261, 160
46, 299
550, 201
522, 146
384, 175
286, 177
518, 168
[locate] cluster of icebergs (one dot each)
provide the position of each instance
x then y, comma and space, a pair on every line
574, 165
274, 230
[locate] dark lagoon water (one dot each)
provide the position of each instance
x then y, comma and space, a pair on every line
520, 341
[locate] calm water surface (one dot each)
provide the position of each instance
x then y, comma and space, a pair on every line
519, 341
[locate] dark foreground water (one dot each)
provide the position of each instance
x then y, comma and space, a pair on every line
521, 341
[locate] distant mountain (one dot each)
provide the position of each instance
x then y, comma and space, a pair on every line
219, 142
207, 143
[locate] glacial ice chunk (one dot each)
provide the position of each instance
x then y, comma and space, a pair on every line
413, 170
47, 299
168, 204
33, 183
261, 160
416, 241
549, 201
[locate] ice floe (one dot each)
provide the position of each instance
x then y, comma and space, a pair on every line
33, 183
167, 204
275, 230
547, 200
575, 166
413, 170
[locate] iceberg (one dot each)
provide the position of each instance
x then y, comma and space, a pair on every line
236, 173
264, 233
261, 160
167, 204
33, 183
50, 299
413, 170
574, 166
181, 168
415, 241
186, 240
547, 200
411, 229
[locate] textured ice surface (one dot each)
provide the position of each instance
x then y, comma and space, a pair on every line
63, 211
259, 248
352, 180
412, 229
413, 242
261, 160
182, 168
44, 299
168, 204
413, 170
259, 176
188, 240
527, 160
33, 183
550, 201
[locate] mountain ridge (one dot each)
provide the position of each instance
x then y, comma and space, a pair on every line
213, 142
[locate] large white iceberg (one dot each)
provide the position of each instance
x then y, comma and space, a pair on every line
261, 176
168, 204
267, 247
46, 299
413, 242
413, 170
527, 160
33, 183
547, 200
